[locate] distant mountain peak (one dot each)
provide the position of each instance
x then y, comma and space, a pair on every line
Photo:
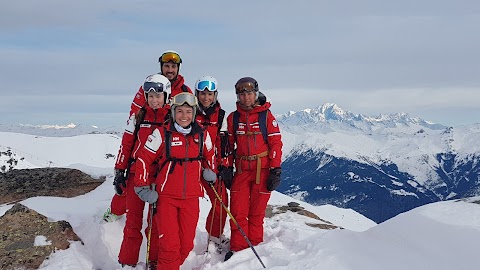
332, 113
71, 125
56, 130
325, 112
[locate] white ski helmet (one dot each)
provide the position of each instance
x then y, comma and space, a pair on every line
207, 83
157, 83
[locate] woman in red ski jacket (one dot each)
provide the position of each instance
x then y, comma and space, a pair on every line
213, 118
257, 160
139, 127
185, 152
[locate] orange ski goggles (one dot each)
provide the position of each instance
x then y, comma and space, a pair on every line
170, 57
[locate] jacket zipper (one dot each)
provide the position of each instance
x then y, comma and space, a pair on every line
248, 141
184, 196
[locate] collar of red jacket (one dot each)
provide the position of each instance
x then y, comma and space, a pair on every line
178, 82
255, 109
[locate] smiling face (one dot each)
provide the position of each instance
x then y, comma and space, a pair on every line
184, 115
247, 99
156, 100
170, 70
206, 98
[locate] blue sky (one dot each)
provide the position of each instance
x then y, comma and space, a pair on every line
83, 61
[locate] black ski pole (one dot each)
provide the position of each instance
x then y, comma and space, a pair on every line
236, 224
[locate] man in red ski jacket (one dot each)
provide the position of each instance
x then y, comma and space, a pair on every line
257, 161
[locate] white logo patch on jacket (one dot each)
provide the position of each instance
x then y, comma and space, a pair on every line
208, 142
130, 128
154, 141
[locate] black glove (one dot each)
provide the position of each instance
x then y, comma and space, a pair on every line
273, 180
119, 181
225, 174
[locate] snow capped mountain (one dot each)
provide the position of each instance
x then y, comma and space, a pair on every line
438, 236
402, 161
377, 165
332, 112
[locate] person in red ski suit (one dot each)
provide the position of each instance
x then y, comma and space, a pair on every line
140, 125
169, 67
257, 162
185, 152
212, 117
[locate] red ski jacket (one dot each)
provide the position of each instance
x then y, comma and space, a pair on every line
132, 143
179, 173
209, 120
252, 151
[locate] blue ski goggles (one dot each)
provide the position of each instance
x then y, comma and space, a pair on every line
184, 98
154, 86
206, 85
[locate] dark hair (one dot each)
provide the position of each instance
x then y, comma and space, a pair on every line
140, 115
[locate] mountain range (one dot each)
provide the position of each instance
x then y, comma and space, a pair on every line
440, 236
378, 166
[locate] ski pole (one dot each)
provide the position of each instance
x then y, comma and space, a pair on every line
236, 224
211, 224
150, 222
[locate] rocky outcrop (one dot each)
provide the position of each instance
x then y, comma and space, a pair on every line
295, 207
17, 185
27, 237
20, 230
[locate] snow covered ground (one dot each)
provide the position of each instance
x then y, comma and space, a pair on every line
444, 235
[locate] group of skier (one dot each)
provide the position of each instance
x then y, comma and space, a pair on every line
179, 144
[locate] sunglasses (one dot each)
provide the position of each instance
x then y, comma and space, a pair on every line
170, 57
245, 87
206, 85
183, 98
155, 87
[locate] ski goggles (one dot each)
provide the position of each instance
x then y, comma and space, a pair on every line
245, 87
155, 87
206, 85
182, 98
170, 57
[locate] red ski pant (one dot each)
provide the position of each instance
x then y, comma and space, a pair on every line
217, 216
176, 223
132, 233
248, 203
